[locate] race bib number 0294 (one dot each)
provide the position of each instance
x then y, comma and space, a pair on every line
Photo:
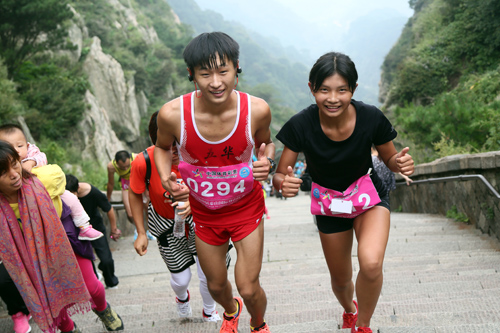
217, 187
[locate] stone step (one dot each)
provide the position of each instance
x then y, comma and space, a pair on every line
440, 276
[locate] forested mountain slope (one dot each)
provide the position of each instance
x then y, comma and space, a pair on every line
441, 81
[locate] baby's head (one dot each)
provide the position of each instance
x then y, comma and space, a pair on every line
14, 134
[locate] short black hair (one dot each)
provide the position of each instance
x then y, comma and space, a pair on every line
153, 127
204, 48
333, 63
9, 128
122, 155
71, 183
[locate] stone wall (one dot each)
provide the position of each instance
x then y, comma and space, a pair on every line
470, 197
122, 222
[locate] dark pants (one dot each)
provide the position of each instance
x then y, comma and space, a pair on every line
107, 264
10, 295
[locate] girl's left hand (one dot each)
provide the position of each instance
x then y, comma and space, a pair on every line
405, 163
185, 210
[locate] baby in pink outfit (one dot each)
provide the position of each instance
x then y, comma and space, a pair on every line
32, 157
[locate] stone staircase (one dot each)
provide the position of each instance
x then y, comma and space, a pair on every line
440, 276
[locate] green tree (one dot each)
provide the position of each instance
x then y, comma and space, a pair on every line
53, 90
10, 106
28, 27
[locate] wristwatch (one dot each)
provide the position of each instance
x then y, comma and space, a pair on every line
273, 165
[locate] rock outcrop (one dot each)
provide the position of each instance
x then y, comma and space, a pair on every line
129, 19
115, 94
96, 134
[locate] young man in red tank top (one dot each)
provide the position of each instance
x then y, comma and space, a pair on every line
216, 130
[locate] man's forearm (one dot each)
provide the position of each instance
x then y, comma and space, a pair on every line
109, 191
135, 201
163, 162
270, 150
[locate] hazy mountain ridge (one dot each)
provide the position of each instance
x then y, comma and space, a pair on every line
262, 59
367, 38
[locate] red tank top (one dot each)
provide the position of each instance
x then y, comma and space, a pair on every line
234, 149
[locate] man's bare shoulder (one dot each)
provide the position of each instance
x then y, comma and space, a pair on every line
259, 106
170, 110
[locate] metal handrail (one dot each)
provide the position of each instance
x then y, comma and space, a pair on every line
117, 206
460, 177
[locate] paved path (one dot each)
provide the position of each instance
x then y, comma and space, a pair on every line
440, 276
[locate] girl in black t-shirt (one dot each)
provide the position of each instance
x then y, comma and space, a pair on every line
336, 135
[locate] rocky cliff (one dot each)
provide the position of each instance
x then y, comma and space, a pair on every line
114, 106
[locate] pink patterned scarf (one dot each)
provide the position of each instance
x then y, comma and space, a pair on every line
39, 258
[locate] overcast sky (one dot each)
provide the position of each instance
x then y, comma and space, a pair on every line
364, 29
302, 23
341, 11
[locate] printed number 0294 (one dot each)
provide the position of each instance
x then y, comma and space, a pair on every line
223, 188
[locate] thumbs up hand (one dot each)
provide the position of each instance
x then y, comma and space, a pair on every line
405, 163
290, 185
262, 166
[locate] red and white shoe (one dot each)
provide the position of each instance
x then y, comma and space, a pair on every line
355, 329
350, 319
214, 317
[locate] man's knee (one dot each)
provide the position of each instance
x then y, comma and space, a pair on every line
217, 287
249, 291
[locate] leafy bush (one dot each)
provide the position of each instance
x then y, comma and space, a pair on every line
11, 106
453, 213
56, 154
464, 120
445, 40
54, 95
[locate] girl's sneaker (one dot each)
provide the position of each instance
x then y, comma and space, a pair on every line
21, 324
355, 329
349, 319
89, 233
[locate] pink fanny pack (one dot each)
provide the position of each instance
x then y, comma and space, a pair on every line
356, 199
217, 187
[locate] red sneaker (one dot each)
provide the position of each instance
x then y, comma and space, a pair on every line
350, 318
263, 329
230, 324
361, 329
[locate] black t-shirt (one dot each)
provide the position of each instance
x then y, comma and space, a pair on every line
91, 201
337, 164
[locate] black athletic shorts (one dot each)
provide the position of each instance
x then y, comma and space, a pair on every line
331, 224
